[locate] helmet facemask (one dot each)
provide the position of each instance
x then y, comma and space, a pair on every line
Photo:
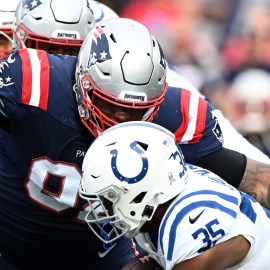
96, 120
109, 227
104, 224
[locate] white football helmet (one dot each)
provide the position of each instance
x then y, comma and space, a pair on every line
102, 12
130, 169
60, 23
121, 63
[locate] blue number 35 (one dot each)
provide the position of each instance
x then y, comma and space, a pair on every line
210, 236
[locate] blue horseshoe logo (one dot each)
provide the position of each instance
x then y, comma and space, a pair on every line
137, 178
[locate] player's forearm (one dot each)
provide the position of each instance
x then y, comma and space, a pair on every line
256, 182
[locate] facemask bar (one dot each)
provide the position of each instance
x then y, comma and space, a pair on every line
97, 121
108, 228
32, 40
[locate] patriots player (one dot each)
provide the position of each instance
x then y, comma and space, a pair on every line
185, 216
44, 36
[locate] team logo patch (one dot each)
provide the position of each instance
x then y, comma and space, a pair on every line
6, 81
29, 5
162, 58
130, 180
217, 131
100, 47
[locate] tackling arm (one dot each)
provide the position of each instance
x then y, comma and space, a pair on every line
250, 176
256, 181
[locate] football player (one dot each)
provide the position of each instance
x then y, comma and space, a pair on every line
185, 216
44, 33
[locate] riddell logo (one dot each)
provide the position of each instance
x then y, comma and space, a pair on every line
67, 35
128, 96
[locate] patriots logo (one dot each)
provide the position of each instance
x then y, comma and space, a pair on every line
29, 5
162, 58
217, 131
100, 47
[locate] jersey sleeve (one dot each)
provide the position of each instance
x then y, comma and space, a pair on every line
189, 116
32, 79
194, 234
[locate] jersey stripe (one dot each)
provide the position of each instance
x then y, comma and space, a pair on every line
45, 79
247, 209
201, 120
184, 105
35, 72
26, 76
193, 109
186, 210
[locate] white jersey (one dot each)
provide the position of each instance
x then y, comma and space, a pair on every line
206, 213
232, 138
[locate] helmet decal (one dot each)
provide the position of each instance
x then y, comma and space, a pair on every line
29, 5
162, 57
100, 47
143, 172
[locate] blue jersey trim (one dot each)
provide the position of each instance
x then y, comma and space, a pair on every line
246, 207
189, 208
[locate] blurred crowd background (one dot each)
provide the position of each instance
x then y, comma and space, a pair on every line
222, 47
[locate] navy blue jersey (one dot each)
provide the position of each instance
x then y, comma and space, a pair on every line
41, 213
189, 117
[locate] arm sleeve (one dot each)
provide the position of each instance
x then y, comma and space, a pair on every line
228, 164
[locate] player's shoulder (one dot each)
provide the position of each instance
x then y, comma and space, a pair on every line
25, 60
29, 67
34, 78
198, 218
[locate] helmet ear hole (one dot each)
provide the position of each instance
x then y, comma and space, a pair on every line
148, 211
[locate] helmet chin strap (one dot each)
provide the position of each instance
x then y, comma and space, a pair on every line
133, 233
147, 114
